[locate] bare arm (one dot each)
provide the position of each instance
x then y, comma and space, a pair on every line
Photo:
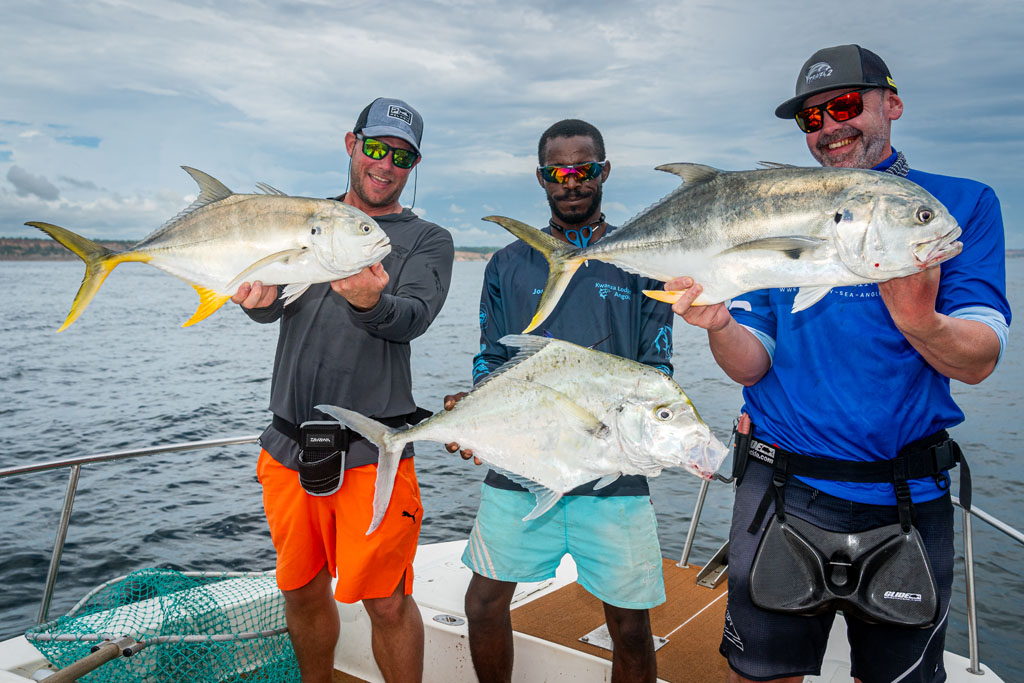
738, 352
964, 350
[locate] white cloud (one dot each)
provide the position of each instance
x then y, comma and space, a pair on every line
267, 94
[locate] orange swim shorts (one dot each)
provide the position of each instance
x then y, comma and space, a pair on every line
309, 532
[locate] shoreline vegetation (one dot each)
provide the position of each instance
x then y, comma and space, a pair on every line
44, 249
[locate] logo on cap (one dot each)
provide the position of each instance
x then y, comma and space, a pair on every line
396, 112
819, 70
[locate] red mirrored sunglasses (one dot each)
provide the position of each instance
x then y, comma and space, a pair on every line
841, 108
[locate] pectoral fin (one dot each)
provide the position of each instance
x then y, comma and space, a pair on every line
606, 479
808, 296
209, 302
792, 246
575, 414
266, 260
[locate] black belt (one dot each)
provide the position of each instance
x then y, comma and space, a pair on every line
930, 456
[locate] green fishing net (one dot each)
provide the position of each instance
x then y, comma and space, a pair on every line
195, 626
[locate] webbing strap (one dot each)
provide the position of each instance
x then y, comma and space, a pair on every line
931, 456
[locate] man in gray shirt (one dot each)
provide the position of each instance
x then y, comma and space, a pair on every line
346, 343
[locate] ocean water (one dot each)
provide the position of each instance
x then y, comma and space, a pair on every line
126, 375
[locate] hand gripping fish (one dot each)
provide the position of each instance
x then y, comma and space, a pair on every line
784, 226
224, 239
556, 416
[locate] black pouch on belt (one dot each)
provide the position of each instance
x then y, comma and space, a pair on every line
879, 576
322, 448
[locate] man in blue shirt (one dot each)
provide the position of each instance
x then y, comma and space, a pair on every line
611, 532
858, 378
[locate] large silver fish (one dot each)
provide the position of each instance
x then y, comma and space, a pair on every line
556, 416
785, 226
224, 239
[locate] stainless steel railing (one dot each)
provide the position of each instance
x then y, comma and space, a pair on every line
972, 609
75, 465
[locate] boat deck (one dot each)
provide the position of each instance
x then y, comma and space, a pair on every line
548, 619
690, 619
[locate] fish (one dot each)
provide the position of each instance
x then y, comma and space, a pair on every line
781, 226
555, 416
223, 239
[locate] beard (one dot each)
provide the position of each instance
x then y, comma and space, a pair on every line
575, 217
865, 151
361, 187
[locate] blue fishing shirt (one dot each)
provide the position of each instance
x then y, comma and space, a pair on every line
844, 382
603, 307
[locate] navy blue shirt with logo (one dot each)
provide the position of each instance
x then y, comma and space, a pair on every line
603, 307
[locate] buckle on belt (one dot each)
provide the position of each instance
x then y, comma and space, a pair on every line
322, 449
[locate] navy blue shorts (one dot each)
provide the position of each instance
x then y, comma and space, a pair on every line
762, 645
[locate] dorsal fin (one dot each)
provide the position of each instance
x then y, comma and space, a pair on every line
528, 345
692, 174
269, 189
210, 189
774, 164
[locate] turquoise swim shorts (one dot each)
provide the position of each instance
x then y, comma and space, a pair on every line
613, 540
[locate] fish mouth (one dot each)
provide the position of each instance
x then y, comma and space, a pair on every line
381, 245
930, 252
708, 458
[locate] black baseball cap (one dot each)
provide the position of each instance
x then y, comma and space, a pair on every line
832, 68
390, 117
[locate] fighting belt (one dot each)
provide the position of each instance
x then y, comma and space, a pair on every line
881, 575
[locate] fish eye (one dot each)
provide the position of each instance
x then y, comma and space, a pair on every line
839, 217
663, 414
365, 228
924, 214
316, 230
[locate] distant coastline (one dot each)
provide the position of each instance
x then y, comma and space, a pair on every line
43, 249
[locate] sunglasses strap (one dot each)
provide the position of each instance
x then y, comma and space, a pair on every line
578, 237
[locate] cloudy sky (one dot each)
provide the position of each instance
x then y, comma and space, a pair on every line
102, 102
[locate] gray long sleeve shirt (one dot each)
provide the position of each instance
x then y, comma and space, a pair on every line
328, 352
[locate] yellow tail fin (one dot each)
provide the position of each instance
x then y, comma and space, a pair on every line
562, 264
99, 261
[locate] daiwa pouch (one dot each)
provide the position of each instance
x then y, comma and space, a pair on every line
322, 449
878, 576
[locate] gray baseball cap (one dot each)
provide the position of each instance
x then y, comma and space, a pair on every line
390, 117
832, 68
